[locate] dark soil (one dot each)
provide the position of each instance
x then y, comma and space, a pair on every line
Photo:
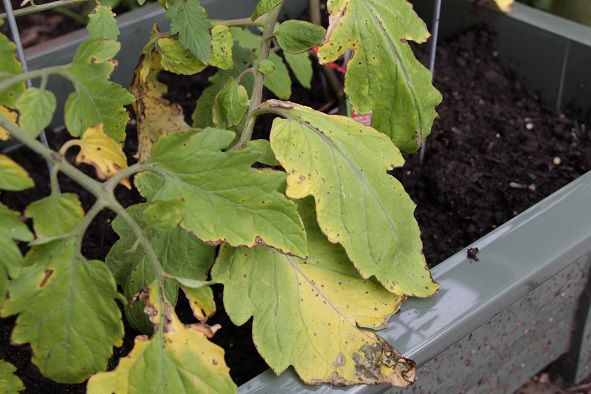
495, 151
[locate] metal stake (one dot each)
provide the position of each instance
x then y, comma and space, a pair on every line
436, 17
20, 53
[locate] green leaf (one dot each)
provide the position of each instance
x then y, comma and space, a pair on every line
177, 359
222, 43
307, 313
231, 104
9, 67
178, 60
264, 7
96, 99
278, 81
164, 215
9, 382
344, 164
12, 176
189, 21
102, 23
226, 199
67, 312
383, 70
36, 108
301, 65
56, 215
299, 36
180, 254
266, 67
264, 152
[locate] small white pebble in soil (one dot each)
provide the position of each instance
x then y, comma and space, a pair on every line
529, 125
532, 187
408, 172
498, 135
557, 160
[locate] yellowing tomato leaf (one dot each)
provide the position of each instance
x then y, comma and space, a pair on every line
12, 176
344, 164
307, 313
264, 7
9, 67
384, 77
10, 383
102, 23
177, 359
12, 116
36, 108
66, 311
222, 44
176, 59
226, 200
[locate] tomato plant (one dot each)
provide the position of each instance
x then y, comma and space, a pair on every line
316, 243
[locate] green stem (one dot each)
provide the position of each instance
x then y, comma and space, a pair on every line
315, 16
43, 7
112, 182
55, 186
41, 73
257, 90
86, 222
238, 22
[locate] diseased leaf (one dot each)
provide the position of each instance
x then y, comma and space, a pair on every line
96, 99
102, 23
36, 108
222, 43
278, 81
383, 76
67, 312
12, 176
56, 215
226, 199
176, 59
179, 253
301, 65
231, 104
299, 36
264, 7
9, 67
189, 21
307, 313
344, 164
12, 116
103, 153
9, 382
164, 215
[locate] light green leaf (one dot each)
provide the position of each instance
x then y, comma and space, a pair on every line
179, 253
176, 59
12, 176
9, 67
226, 199
266, 67
301, 65
9, 382
384, 76
96, 99
344, 165
36, 108
164, 215
307, 313
263, 149
278, 81
177, 359
222, 43
102, 23
299, 36
231, 104
67, 312
189, 21
264, 7
56, 215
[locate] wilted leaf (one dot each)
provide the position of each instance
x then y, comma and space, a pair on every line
344, 164
222, 43
9, 67
307, 313
384, 76
301, 65
9, 382
299, 36
231, 104
67, 312
189, 20
226, 199
36, 108
12, 116
179, 253
176, 59
56, 215
177, 359
264, 7
12, 176
102, 23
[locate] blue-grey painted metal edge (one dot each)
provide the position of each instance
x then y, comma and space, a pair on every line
515, 259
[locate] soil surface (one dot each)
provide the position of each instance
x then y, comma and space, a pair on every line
495, 151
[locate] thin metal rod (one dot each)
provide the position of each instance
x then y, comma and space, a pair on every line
20, 53
42, 7
432, 58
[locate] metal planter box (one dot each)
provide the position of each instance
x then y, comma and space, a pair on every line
525, 304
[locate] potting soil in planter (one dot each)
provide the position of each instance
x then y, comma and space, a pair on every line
495, 151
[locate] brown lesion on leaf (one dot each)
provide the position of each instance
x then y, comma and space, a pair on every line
46, 275
380, 363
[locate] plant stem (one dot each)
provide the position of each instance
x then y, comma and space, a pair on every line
238, 22
257, 90
315, 16
43, 7
41, 73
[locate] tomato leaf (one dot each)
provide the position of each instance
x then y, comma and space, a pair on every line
189, 21
12, 176
102, 23
264, 7
56, 215
176, 59
299, 36
301, 65
36, 108
222, 44
11, 116
9, 67
10, 383
231, 104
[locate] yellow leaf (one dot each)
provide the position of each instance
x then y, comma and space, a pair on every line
12, 116
503, 5
102, 152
